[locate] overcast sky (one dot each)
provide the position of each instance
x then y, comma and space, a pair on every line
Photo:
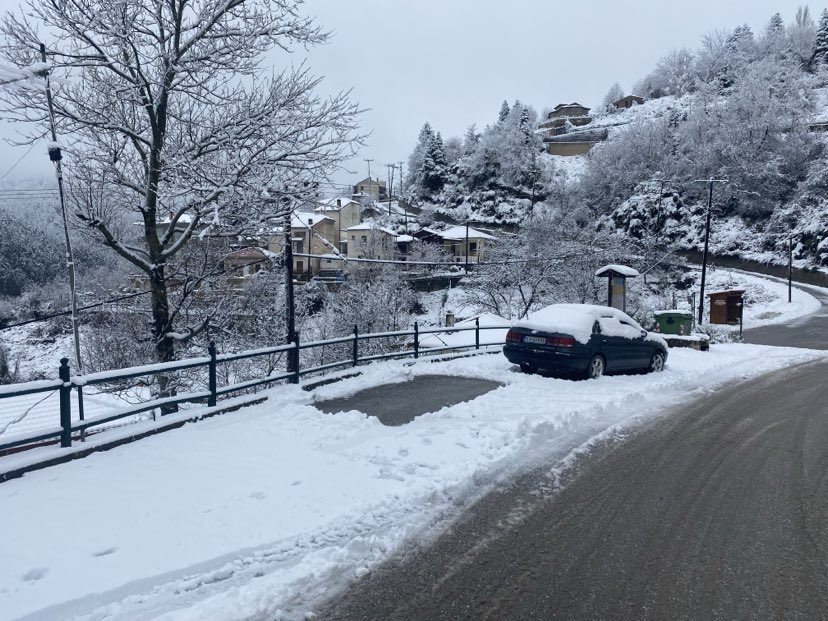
453, 62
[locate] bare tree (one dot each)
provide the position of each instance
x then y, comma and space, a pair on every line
173, 121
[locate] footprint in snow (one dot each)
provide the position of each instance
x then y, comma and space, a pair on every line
105, 552
258, 495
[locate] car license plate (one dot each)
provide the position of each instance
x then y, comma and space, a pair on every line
535, 340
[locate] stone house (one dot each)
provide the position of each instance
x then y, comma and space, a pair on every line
564, 116
373, 189
345, 213
309, 233
628, 102
371, 241
457, 244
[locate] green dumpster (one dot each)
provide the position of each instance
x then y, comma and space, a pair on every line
674, 321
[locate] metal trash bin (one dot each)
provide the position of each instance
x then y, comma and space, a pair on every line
674, 321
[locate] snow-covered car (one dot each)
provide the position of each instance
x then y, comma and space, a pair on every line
584, 340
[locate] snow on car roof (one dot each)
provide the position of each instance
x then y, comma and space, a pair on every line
574, 319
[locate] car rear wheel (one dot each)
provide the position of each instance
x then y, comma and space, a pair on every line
527, 368
595, 368
657, 362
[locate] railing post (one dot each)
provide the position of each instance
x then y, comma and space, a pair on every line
416, 340
65, 404
211, 375
477, 332
295, 354
355, 350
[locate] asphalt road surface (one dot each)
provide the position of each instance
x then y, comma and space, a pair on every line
718, 511
810, 331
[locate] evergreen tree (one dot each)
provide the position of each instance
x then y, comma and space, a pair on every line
471, 140
504, 111
776, 27
820, 55
435, 169
416, 159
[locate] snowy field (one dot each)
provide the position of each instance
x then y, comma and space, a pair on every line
258, 514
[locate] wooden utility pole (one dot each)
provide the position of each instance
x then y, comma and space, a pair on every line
790, 267
709, 183
56, 157
369, 167
391, 169
402, 196
290, 311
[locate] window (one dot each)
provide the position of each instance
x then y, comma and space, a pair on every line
472, 247
297, 246
364, 239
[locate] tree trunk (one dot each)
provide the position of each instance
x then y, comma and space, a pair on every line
164, 345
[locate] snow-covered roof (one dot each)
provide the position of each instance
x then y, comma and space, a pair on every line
619, 269
246, 253
334, 204
459, 232
404, 238
574, 104
307, 220
385, 207
727, 292
370, 226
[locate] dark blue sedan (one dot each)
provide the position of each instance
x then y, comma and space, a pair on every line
583, 340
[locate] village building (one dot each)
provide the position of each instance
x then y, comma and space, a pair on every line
628, 102
310, 233
371, 241
372, 189
459, 242
345, 213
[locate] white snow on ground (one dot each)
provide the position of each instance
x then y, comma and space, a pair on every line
766, 298
261, 512
258, 513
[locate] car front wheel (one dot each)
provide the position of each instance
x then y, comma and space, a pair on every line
595, 368
657, 362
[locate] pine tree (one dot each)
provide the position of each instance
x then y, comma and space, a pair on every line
435, 170
820, 55
504, 111
471, 140
417, 158
776, 27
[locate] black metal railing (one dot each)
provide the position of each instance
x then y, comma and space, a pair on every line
405, 343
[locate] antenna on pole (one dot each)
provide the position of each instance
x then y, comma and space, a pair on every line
369, 168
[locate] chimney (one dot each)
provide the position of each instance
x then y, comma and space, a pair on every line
310, 221
339, 202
